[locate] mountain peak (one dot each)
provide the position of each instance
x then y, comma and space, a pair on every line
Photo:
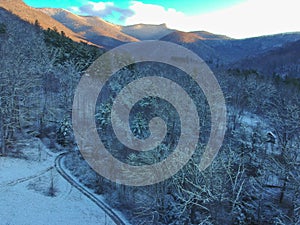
182, 37
143, 31
145, 25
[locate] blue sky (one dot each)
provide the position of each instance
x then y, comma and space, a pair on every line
235, 18
189, 7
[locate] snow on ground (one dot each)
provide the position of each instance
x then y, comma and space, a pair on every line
25, 196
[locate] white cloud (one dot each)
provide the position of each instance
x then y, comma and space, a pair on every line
105, 10
152, 14
74, 9
250, 18
98, 6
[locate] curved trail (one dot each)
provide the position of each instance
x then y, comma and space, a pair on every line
86, 192
58, 165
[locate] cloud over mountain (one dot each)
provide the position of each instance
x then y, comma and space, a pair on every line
103, 10
249, 18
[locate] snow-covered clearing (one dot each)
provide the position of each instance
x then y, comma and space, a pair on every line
26, 189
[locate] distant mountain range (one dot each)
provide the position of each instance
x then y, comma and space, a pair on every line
267, 54
98, 31
283, 61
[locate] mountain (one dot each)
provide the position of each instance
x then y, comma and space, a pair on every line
215, 49
147, 31
210, 36
190, 37
27, 13
182, 37
283, 61
94, 29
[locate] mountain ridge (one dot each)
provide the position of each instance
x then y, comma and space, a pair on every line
218, 50
91, 28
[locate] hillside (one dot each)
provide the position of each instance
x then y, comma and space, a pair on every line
283, 61
233, 50
193, 42
27, 13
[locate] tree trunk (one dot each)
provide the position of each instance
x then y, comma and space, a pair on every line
283, 189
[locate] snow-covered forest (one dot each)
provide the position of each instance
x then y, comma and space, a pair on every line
255, 178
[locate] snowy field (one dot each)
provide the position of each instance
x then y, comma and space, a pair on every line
33, 193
